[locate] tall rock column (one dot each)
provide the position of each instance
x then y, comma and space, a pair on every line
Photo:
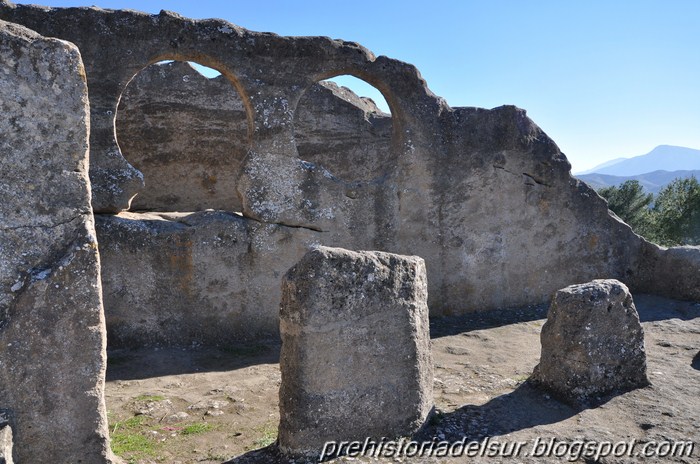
52, 331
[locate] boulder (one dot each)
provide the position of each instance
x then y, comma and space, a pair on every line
592, 343
52, 331
355, 356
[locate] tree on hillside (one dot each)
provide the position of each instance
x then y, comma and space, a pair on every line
676, 213
674, 218
630, 203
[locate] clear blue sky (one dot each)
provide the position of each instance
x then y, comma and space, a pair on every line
604, 79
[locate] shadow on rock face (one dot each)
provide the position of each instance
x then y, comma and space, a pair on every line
696, 361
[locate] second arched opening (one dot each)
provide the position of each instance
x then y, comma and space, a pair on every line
344, 125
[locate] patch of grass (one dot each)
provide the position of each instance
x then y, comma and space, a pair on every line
269, 436
197, 428
127, 437
130, 424
150, 398
132, 442
520, 379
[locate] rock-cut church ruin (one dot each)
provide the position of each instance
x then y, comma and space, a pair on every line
117, 227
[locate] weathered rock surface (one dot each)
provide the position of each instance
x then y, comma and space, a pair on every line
207, 278
671, 271
355, 357
52, 332
190, 154
484, 196
592, 343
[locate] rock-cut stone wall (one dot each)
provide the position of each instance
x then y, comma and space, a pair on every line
52, 330
484, 196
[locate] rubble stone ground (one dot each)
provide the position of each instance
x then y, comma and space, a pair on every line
202, 405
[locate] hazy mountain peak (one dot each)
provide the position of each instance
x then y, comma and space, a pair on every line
661, 158
601, 166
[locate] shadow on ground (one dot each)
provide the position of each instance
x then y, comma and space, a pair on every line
144, 363
268, 455
446, 326
523, 408
653, 308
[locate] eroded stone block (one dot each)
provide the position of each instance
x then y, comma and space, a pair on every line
355, 356
592, 343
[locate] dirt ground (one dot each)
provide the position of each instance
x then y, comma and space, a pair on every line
203, 405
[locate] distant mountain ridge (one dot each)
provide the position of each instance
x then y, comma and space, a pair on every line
652, 182
601, 166
662, 158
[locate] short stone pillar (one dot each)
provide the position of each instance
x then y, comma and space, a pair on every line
592, 343
355, 358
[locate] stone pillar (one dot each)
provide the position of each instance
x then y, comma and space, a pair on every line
355, 358
52, 331
592, 343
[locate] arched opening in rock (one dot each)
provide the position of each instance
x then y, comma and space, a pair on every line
362, 89
187, 129
344, 124
184, 126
